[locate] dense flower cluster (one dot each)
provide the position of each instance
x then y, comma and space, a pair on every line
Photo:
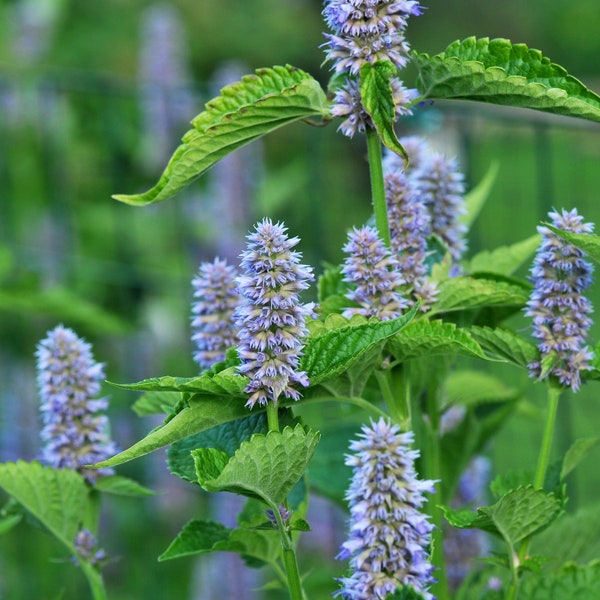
271, 319
87, 549
560, 312
216, 297
75, 430
366, 31
374, 272
389, 536
442, 189
410, 224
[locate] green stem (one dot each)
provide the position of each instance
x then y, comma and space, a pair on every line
377, 185
273, 416
289, 558
95, 581
540, 475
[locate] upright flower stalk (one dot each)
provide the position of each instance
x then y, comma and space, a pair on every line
374, 272
215, 299
389, 535
560, 312
75, 430
271, 319
366, 31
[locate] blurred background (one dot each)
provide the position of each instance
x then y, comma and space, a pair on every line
94, 98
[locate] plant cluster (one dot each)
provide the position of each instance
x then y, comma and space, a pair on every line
382, 345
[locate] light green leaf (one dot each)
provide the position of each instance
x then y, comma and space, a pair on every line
477, 197
499, 72
121, 486
590, 244
577, 452
504, 344
266, 467
56, 497
245, 111
377, 99
504, 260
8, 522
570, 582
426, 338
517, 515
202, 537
466, 293
335, 345
470, 388
156, 403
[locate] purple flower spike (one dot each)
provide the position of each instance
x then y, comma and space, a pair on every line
75, 431
215, 291
366, 31
560, 312
374, 271
389, 536
271, 319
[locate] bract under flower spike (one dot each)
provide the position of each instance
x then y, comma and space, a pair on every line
75, 428
375, 274
389, 535
561, 322
216, 297
271, 319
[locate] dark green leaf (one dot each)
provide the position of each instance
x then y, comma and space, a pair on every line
570, 582
589, 243
499, 72
504, 344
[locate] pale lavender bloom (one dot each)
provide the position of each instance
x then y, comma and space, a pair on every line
410, 224
75, 429
560, 312
216, 297
367, 31
374, 272
87, 549
389, 535
442, 189
418, 150
270, 319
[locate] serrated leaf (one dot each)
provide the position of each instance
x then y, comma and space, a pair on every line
504, 344
245, 111
339, 343
499, 72
502, 484
476, 197
504, 260
156, 403
468, 293
570, 582
427, 338
121, 486
577, 452
265, 467
196, 537
589, 243
56, 497
517, 515
378, 100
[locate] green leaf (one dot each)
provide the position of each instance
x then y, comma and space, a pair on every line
245, 111
517, 515
156, 403
577, 452
121, 486
266, 467
335, 345
470, 388
499, 72
377, 99
570, 582
468, 293
56, 497
8, 522
589, 243
504, 260
502, 484
406, 592
226, 437
504, 344
426, 338
202, 537
476, 198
